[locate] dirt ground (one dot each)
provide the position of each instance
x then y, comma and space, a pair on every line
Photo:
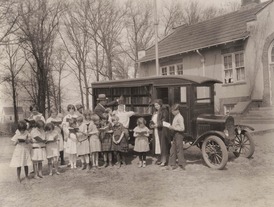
244, 182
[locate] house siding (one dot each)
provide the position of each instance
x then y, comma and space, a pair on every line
256, 84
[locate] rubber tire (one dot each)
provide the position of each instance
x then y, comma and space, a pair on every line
251, 151
223, 149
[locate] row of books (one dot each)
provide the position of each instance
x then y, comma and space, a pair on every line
142, 109
140, 100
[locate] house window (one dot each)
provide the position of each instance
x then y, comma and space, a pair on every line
234, 70
180, 69
239, 65
164, 70
172, 70
228, 108
228, 68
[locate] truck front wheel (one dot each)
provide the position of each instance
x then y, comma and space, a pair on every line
214, 152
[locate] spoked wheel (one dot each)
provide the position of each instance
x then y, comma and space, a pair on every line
244, 145
214, 152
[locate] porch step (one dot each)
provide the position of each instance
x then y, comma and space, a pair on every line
260, 115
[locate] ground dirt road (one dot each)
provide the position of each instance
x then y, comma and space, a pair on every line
244, 182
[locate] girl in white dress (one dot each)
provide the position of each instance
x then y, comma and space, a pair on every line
52, 150
94, 141
21, 154
38, 152
68, 143
141, 132
56, 119
82, 142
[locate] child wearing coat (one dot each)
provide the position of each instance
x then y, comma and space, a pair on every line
52, 147
38, 152
141, 132
21, 154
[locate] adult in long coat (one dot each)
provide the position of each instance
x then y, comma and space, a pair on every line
161, 139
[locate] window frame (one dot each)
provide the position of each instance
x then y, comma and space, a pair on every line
177, 69
235, 68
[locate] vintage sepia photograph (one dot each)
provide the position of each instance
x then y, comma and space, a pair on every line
136, 103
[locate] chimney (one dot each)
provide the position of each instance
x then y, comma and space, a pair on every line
250, 3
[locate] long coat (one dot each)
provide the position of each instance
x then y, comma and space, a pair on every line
162, 131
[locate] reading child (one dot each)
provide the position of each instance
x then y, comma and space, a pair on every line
52, 150
71, 145
141, 132
21, 154
56, 119
120, 142
94, 142
38, 152
106, 140
83, 143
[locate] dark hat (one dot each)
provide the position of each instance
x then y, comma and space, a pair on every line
79, 106
102, 97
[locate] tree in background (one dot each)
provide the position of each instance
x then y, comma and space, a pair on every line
12, 68
78, 43
38, 23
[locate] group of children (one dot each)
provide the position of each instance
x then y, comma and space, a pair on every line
82, 135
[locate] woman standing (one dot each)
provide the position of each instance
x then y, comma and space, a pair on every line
161, 140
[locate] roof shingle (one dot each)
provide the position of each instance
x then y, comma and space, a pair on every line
216, 31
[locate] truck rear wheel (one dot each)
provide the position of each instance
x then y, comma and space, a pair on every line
214, 152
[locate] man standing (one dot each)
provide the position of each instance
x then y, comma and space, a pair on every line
100, 109
176, 150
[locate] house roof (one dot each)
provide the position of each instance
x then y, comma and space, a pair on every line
220, 30
10, 111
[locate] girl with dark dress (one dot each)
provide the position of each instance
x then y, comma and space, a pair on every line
161, 139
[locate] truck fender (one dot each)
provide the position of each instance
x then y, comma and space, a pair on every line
203, 136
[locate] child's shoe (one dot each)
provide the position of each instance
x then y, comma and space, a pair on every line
50, 174
140, 164
84, 166
144, 164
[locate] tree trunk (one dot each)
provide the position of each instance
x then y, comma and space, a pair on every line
14, 99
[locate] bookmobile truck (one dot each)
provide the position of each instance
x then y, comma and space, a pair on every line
215, 135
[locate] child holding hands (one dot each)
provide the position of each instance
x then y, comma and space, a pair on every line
141, 132
120, 141
21, 154
52, 148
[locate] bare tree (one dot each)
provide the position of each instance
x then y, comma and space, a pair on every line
13, 66
139, 29
78, 45
109, 32
172, 16
38, 24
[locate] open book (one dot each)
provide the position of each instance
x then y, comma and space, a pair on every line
39, 139
73, 130
166, 124
56, 123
